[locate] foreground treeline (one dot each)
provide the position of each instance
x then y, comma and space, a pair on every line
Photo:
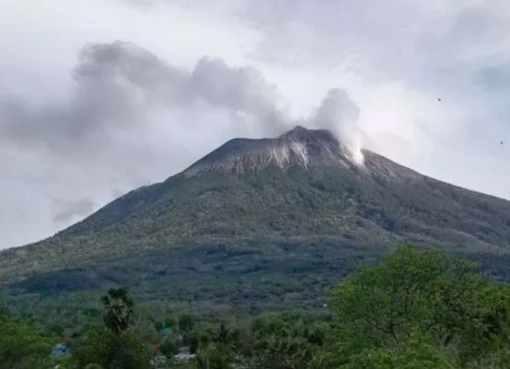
415, 309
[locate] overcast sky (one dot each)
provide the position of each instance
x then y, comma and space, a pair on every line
98, 97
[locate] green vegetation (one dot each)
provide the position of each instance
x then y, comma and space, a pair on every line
212, 278
265, 240
414, 309
422, 310
118, 307
21, 346
210, 281
340, 205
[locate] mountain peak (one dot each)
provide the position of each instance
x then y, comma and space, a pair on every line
297, 147
305, 135
297, 131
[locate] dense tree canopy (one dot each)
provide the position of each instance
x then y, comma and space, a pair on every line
22, 346
421, 303
415, 309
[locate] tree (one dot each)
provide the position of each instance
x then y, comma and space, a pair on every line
223, 334
170, 322
169, 346
113, 346
186, 323
420, 293
144, 330
287, 342
108, 350
415, 354
21, 346
118, 310
212, 357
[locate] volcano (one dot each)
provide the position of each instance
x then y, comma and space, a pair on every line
300, 187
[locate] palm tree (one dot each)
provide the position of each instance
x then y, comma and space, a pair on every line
118, 310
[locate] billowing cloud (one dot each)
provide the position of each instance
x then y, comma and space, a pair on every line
118, 86
114, 86
240, 90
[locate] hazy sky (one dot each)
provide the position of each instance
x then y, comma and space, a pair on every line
98, 97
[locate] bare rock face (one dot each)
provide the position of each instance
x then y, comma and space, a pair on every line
306, 148
297, 147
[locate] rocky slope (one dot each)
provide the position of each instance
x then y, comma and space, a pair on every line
298, 147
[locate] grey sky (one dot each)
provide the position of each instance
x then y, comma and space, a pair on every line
98, 97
